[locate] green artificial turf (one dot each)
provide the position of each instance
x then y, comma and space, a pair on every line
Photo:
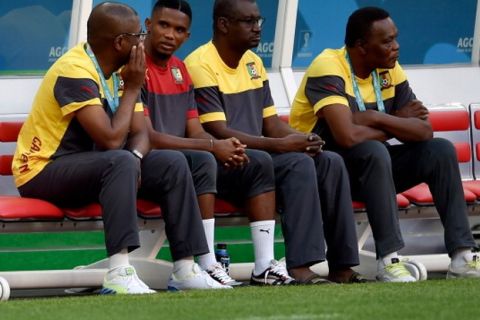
433, 299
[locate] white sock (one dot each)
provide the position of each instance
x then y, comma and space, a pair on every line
388, 258
119, 259
262, 238
182, 268
461, 255
208, 259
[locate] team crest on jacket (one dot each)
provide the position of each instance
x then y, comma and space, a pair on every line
121, 83
252, 71
385, 80
177, 75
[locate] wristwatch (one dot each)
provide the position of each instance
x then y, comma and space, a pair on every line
137, 154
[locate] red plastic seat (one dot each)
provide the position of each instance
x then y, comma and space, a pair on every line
148, 209
472, 186
9, 131
17, 208
225, 208
358, 205
6, 164
90, 211
449, 120
421, 195
145, 208
402, 202
284, 118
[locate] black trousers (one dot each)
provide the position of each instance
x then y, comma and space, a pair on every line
378, 172
313, 196
111, 177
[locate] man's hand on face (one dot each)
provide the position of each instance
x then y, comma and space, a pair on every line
133, 74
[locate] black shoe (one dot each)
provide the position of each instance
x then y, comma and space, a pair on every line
275, 275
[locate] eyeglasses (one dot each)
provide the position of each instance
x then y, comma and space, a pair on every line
251, 22
139, 35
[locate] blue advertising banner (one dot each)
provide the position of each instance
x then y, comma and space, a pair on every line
430, 31
201, 29
34, 35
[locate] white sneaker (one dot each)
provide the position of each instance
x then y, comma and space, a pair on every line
197, 279
393, 272
469, 269
219, 274
275, 275
416, 269
124, 280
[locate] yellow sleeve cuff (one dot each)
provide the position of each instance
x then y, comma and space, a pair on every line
269, 111
212, 116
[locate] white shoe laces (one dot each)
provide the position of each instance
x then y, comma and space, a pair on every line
131, 279
220, 274
474, 263
279, 269
397, 270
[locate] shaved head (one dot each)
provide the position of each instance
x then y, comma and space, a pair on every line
109, 19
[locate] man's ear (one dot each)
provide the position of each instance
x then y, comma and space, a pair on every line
117, 42
148, 24
361, 44
222, 25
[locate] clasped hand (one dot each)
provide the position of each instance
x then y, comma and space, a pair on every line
309, 143
230, 152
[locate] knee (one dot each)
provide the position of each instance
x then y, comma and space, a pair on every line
123, 160
438, 153
441, 148
205, 168
208, 162
173, 161
302, 166
261, 163
372, 152
333, 161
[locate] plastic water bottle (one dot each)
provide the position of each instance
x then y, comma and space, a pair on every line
222, 256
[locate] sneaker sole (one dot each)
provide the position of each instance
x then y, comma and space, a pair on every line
453, 275
107, 291
273, 283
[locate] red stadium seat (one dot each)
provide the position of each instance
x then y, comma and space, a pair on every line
13, 208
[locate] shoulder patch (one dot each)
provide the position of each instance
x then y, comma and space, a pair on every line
252, 71
385, 80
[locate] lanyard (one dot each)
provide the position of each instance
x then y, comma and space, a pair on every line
113, 101
356, 89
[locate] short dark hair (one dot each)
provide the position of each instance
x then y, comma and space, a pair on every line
224, 8
180, 5
360, 22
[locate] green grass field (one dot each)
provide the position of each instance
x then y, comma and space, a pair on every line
433, 299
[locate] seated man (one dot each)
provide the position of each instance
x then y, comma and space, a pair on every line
312, 189
169, 99
85, 140
357, 98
